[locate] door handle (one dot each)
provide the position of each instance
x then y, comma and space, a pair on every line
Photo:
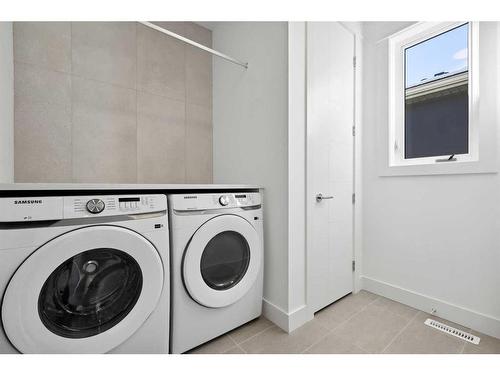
320, 197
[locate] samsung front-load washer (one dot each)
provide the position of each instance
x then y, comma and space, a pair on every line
84, 274
217, 265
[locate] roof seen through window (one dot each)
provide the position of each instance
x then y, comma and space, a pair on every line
443, 55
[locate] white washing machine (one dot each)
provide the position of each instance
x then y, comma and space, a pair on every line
84, 274
217, 265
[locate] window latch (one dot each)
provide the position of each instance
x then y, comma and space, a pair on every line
451, 158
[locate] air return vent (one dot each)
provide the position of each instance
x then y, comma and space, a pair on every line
453, 331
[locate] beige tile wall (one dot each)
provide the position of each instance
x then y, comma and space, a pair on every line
111, 102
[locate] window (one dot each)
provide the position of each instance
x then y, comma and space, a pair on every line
431, 94
436, 95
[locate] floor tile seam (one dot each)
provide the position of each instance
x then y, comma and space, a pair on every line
253, 336
399, 333
402, 315
232, 347
361, 349
354, 315
328, 332
463, 348
243, 350
332, 330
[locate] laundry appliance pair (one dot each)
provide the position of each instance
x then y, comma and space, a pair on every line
103, 273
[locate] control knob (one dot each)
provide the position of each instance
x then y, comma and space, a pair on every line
224, 200
95, 206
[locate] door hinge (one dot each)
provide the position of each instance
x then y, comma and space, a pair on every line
353, 265
353, 131
353, 198
354, 61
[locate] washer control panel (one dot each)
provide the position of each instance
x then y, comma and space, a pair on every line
73, 207
199, 202
111, 205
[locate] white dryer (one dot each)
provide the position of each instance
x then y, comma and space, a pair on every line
84, 274
217, 265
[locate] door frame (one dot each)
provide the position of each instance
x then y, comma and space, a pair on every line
356, 251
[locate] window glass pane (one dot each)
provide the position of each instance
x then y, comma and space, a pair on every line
436, 95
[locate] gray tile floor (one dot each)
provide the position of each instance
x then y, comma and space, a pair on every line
358, 323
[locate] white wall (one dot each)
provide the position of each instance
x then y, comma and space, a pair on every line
429, 241
6, 103
250, 132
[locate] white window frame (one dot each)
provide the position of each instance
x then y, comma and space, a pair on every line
398, 43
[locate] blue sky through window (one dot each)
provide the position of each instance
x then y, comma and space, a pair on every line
446, 52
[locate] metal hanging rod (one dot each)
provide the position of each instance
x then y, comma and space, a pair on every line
194, 44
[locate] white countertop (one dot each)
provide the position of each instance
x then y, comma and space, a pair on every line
168, 187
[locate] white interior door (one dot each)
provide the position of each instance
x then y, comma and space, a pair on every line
330, 160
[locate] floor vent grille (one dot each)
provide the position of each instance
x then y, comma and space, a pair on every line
453, 331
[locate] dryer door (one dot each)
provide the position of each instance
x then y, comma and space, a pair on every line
222, 261
85, 291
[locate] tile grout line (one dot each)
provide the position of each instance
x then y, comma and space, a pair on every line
235, 343
257, 334
399, 333
71, 73
331, 330
137, 156
397, 313
184, 72
328, 331
71, 95
463, 348
356, 313
116, 85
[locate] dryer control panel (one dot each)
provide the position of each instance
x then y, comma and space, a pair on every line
200, 202
74, 207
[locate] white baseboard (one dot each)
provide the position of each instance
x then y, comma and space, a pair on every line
286, 321
486, 324
275, 314
299, 317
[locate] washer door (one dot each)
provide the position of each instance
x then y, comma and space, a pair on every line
85, 291
222, 261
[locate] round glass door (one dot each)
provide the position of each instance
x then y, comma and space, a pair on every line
225, 260
90, 293
222, 261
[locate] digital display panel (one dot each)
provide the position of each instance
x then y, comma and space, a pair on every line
131, 199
